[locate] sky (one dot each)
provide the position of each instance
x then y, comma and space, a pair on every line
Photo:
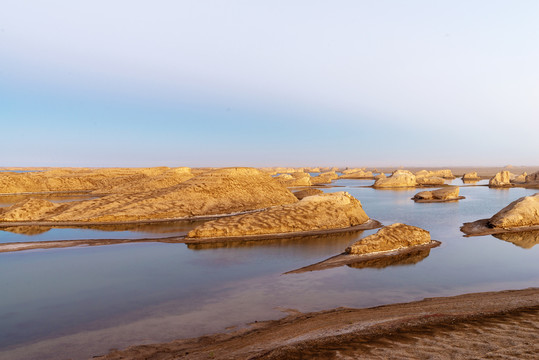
269, 83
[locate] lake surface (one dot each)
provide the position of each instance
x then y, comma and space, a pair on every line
79, 302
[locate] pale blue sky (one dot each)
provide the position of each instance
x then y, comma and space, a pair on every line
222, 83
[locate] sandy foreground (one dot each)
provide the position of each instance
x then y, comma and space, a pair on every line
495, 325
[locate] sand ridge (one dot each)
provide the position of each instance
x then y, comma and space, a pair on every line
217, 192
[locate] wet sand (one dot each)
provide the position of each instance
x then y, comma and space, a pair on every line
501, 325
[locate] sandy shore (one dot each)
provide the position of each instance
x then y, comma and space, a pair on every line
501, 325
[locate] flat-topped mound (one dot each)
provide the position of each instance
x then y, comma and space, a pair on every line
391, 237
520, 215
450, 193
312, 213
217, 192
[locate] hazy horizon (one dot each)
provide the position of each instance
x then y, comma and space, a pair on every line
239, 83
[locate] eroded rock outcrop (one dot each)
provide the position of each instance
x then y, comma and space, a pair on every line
449, 193
523, 239
357, 174
399, 178
521, 212
501, 179
294, 179
319, 212
520, 215
324, 178
307, 192
444, 173
392, 237
471, 176
216, 192
520, 179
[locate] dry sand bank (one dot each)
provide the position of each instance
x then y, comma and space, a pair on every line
481, 325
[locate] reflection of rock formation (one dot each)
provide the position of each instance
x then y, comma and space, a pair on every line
524, 239
307, 243
411, 258
27, 230
313, 213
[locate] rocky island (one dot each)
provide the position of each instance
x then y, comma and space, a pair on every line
450, 193
520, 215
313, 214
392, 241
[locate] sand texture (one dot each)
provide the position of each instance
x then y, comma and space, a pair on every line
496, 325
217, 192
392, 237
312, 213
75, 180
501, 179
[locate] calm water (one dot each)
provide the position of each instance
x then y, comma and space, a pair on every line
79, 302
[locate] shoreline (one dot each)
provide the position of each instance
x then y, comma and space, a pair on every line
462, 320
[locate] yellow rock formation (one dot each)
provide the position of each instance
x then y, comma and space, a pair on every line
501, 179
445, 194
399, 178
217, 192
318, 212
83, 179
471, 176
521, 212
392, 237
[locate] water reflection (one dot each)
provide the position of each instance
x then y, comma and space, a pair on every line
523, 239
304, 245
410, 258
27, 230
107, 231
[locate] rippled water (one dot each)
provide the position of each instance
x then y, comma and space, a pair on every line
79, 302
